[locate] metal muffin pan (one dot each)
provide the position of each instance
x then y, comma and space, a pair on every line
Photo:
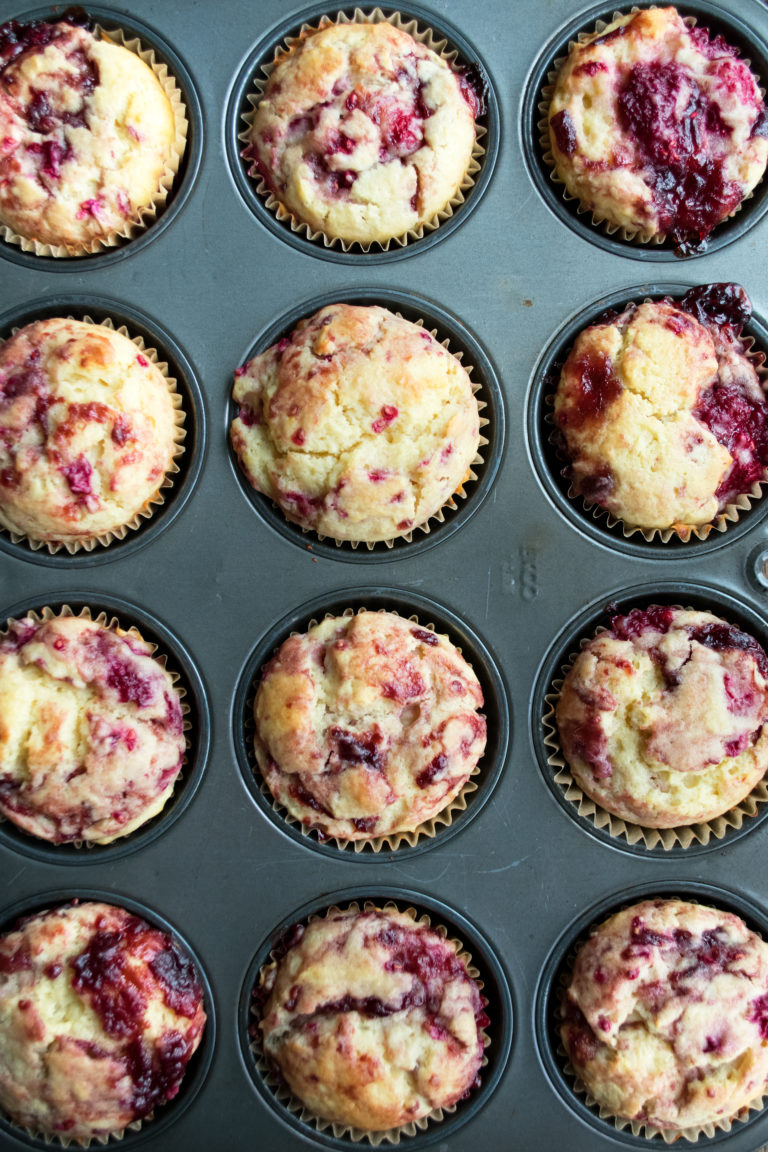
210, 278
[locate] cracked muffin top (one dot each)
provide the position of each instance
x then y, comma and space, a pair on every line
86, 133
99, 1016
658, 127
666, 1015
367, 725
661, 413
91, 730
87, 430
662, 718
359, 424
372, 1019
363, 133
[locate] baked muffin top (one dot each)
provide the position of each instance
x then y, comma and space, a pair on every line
99, 1016
87, 430
367, 725
359, 424
363, 133
372, 1019
662, 718
91, 730
658, 127
666, 1015
661, 412
86, 133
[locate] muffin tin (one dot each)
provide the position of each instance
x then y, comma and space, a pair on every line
217, 577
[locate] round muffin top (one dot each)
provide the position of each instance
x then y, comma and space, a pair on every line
99, 1016
91, 730
86, 132
363, 133
87, 431
658, 127
367, 725
359, 424
666, 1015
661, 413
662, 718
372, 1019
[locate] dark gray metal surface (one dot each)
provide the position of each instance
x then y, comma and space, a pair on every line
219, 577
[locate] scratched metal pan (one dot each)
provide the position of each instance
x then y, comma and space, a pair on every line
216, 576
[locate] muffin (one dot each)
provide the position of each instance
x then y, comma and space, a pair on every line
371, 1019
91, 730
363, 133
87, 432
87, 135
359, 424
658, 127
99, 1016
662, 718
665, 1019
367, 725
661, 414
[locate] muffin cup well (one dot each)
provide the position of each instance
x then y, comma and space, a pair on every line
550, 992
125, 38
436, 35
169, 651
471, 797
591, 816
189, 435
199, 1065
482, 964
465, 500
637, 245
550, 460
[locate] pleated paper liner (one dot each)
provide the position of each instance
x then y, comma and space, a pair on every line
460, 494
151, 506
640, 1129
45, 614
279, 1089
652, 838
683, 533
146, 215
424, 35
639, 235
393, 840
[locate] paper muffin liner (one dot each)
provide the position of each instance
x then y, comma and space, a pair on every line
42, 616
683, 835
375, 844
277, 1085
424, 35
150, 506
146, 215
684, 533
637, 1128
459, 494
637, 235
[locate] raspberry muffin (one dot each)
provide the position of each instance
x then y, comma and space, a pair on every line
371, 1019
88, 432
87, 135
99, 1016
358, 424
658, 127
363, 133
665, 1019
367, 725
91, 730
662, 718
661, 413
